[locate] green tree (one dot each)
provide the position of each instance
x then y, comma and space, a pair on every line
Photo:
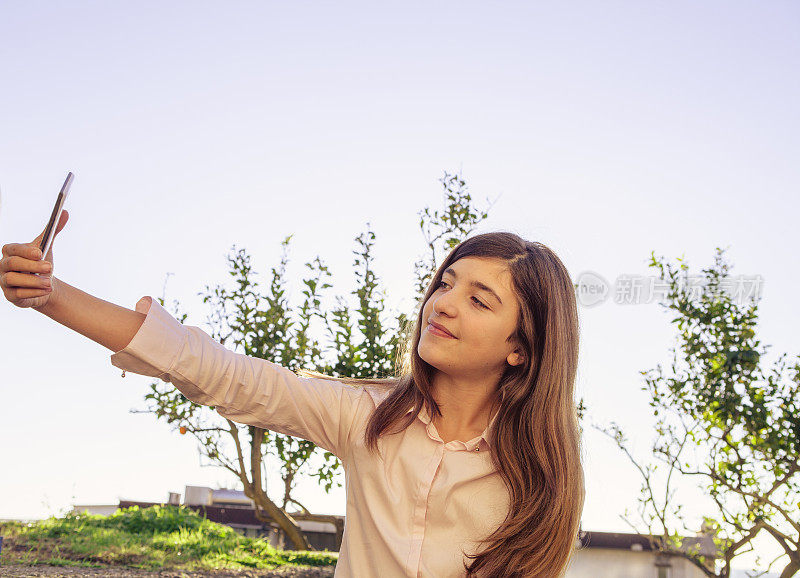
725, 421
362, 341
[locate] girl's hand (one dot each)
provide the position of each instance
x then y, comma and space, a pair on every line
26, 279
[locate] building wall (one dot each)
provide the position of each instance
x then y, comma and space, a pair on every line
103, 510
319, 540
588, 562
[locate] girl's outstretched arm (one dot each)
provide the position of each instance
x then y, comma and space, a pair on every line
110, 325
149, 341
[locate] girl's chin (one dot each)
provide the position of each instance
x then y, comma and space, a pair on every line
437, 362
427, 357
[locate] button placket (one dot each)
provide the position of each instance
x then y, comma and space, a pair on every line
421, 510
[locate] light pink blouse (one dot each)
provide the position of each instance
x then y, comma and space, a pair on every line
407, 515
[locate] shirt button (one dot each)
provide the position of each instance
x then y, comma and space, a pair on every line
477, 448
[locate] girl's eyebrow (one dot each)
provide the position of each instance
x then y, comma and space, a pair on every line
477, 284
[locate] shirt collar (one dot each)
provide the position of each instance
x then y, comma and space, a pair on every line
483, 441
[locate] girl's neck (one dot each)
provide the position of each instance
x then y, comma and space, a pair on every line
465, 406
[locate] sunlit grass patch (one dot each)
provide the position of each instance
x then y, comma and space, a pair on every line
151, 538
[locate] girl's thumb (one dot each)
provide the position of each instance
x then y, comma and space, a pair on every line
62, 221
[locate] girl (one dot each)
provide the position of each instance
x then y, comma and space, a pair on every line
467, 463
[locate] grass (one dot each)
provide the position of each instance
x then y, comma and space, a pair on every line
158, 537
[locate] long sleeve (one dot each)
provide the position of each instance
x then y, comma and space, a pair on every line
244, 389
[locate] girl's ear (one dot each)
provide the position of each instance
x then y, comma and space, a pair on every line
515, 358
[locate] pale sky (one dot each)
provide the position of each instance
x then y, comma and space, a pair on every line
604, 130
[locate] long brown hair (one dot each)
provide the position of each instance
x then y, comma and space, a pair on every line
535, 440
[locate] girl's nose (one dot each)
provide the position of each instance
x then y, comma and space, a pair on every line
444, 305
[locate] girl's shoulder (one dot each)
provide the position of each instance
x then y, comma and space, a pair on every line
378, 391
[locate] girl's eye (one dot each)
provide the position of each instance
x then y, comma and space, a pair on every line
479, 303
475, 299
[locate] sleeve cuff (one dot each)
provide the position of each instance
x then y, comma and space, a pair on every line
156, 345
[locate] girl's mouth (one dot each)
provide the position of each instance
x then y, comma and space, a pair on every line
438, 332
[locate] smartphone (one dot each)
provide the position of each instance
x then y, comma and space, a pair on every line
50, 231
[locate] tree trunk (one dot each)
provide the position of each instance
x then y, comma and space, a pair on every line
791, 569
267, 511
262, 501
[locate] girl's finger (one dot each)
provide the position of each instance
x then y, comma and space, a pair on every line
17, 263
14, 279
24, 293
26, 250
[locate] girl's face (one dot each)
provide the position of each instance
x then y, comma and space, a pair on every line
475, 302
